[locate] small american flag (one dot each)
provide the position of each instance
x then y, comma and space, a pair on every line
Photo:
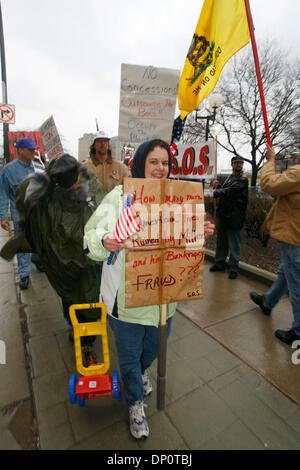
127, 225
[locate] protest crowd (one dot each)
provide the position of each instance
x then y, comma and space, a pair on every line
58, 214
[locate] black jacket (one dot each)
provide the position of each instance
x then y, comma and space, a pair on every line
51, 223
233, 201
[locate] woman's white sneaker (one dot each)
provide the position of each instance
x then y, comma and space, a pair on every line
138, 422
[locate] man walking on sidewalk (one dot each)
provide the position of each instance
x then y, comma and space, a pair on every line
283, 223
11, 175
231, 213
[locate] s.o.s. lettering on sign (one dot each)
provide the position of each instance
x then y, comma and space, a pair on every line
193, 162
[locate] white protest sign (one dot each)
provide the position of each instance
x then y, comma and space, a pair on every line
194, 162
147, 103
51, 139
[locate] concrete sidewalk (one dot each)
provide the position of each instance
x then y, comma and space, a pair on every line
230, 383
16, 408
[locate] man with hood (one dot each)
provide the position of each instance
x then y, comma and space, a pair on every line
54, 207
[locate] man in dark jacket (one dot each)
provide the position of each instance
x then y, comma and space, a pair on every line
233, 199
54, 207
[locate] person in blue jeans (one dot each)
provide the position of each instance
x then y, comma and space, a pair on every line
135, 329
231, 211
283, 223
11, 175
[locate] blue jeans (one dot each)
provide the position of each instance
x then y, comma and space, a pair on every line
24, 259
228, 241
137, 347
288, 280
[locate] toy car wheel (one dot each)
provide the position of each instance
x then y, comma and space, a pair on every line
81, 401
116, 386
72, 388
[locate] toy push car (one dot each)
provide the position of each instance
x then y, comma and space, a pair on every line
94, 381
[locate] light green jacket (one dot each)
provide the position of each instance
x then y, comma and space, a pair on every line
103, 221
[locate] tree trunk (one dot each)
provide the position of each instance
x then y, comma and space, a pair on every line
254, 175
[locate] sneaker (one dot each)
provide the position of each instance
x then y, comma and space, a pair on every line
24, 282
258, 300
138, 422
147, 384
88, 356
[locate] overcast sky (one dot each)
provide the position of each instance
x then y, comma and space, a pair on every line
63, 57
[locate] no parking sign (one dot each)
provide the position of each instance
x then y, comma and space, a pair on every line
7, 113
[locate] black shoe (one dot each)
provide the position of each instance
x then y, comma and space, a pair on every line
216, 267
233, 275
258, 300
24, 282
287, 336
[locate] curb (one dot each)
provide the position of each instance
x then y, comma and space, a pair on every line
33, 429
248, 270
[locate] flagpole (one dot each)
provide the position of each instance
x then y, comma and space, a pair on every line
258, 74
4, 89
216, 175
162, 358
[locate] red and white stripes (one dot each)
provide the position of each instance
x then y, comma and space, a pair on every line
127, 225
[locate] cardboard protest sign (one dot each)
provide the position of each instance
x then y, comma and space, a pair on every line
51, 139
194, 162
147, 104
164, 264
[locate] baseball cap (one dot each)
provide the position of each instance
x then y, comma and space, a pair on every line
237, 160
26, 143
100, 135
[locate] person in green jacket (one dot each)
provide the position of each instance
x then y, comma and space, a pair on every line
54, 207
135, 329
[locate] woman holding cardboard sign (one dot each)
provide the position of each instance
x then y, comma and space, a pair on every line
135, 329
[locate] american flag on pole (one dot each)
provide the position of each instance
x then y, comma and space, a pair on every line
127, 225
178, 126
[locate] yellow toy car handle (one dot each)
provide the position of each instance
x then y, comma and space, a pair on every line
96, 328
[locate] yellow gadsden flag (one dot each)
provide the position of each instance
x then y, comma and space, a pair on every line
221, 31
